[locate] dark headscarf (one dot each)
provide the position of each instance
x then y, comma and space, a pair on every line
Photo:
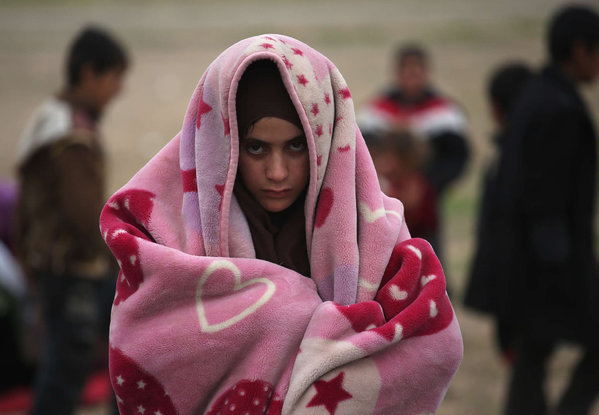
279, 237
260, 94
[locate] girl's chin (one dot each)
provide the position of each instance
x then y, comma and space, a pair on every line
276, 206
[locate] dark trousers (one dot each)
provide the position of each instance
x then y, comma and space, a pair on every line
74, 319
525, 393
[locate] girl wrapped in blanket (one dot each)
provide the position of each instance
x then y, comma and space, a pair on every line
262, 269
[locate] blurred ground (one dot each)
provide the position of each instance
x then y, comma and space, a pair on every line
172, 43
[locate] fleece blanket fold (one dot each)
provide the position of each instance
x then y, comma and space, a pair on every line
200, 326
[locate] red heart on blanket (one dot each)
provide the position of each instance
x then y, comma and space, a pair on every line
133, 205
248, 397
121, 212
325, 203
364, 315
137, 392
421, 305
126, 250
412, 296
243, 300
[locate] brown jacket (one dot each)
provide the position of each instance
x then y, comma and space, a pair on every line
61, 196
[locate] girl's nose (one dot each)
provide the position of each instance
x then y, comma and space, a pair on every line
276, 169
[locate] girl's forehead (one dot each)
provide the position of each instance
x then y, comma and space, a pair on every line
274, 130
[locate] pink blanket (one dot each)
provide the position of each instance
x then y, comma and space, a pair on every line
199, 325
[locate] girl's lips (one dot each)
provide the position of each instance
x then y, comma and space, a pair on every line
277, 194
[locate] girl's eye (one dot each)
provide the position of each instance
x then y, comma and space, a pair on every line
254, 148
298, 146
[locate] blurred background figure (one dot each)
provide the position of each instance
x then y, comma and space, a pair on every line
399, 157
61, 179
546, 181
13, 298
413, 103
491, 262
8, 198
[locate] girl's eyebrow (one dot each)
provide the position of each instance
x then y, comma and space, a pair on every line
301, 136
253, 139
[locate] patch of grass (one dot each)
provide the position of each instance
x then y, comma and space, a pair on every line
526, 27
351, 35
488, 32
459, 32
460, 203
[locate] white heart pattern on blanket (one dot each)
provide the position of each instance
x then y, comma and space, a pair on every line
240, 315
372, 216
397, 293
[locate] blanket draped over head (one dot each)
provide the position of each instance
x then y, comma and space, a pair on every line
199, 325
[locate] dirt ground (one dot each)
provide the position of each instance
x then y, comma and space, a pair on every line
172, 43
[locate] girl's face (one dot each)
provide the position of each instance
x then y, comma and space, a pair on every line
274, 163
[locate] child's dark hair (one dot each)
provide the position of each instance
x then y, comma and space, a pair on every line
506, 82
96, 46
569, 25
401, 142
411, 50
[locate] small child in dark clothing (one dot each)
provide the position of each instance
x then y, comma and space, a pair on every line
504, 85
399, 159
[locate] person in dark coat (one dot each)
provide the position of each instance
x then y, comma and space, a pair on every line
546, 182
486, 275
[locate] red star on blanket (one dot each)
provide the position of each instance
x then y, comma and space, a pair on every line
203, 108
315, 109
288, 64
302, 80
297, 51
329, 393
344, 149
318, 130
345, 94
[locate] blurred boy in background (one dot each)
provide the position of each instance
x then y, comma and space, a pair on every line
413, 103
61, 178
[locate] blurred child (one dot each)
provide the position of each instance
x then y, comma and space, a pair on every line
489, 265
414, 102
8, 197
13, 294
61, 178
398, 159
